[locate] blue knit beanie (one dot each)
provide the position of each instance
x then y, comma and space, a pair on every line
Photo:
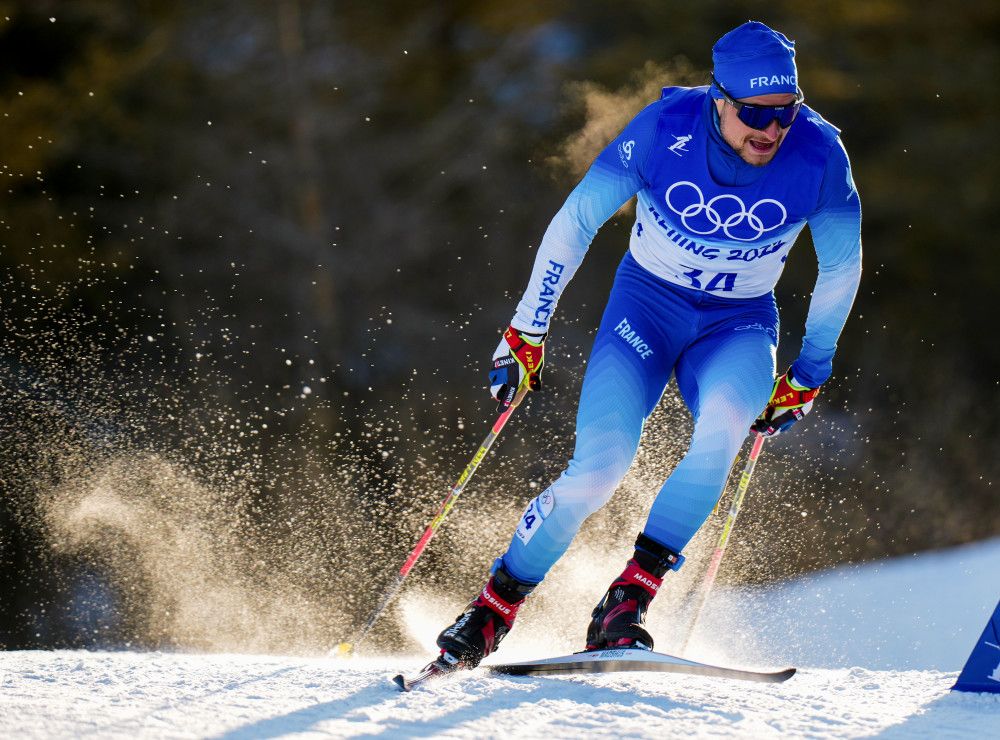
754, 60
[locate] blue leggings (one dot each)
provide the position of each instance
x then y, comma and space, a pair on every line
722, 352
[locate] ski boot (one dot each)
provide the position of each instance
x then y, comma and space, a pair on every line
619, 620
485, 622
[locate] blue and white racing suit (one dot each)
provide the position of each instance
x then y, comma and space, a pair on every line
693, 297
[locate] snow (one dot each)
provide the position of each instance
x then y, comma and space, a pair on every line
878, 647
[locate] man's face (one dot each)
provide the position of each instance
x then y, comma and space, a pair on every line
755, 146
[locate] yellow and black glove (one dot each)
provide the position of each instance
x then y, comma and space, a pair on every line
789, 402
518, 356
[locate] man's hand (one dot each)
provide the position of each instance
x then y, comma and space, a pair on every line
518, 356
789, 403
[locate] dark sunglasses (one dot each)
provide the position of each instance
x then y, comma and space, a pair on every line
760, 116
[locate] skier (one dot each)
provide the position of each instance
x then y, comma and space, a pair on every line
727, 175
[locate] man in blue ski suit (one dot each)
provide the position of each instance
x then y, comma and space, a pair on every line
727, 176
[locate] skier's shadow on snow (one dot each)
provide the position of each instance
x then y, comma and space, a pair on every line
357, 710
385, 706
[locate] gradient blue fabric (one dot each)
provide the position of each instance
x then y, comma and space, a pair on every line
692, 297
723, 353
720, 242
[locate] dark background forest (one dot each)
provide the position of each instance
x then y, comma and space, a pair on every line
256, 256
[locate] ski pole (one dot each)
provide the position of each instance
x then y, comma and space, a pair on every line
720, 547
346, 648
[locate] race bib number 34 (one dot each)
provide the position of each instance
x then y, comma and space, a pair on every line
538, 510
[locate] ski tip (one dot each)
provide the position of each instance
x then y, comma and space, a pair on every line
787, 673
400, 682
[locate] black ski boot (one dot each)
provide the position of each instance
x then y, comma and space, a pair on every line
485, 622
619, 620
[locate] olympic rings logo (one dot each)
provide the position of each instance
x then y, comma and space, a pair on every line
754, 217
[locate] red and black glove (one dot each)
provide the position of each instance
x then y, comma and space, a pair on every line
518, 356
789, 402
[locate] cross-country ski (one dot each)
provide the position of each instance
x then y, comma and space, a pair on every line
599, 661
633, 659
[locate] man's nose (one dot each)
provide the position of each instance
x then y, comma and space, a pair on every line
772, 130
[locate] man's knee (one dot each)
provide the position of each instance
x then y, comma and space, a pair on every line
585, 490
726, 417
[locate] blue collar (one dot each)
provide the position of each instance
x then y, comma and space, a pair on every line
724, 164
